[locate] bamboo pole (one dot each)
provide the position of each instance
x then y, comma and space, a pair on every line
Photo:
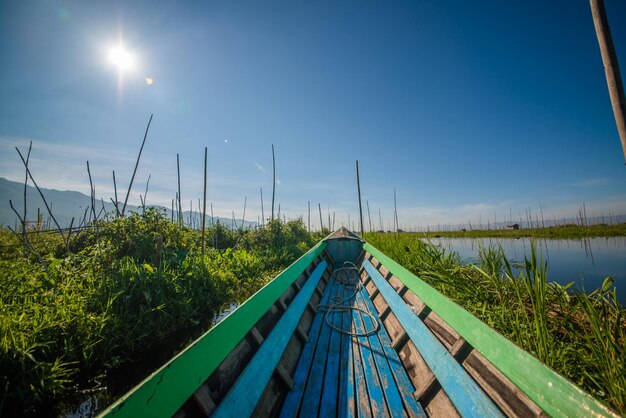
180, 206
611, 68
204, 200
262, 211
130, 186
369, 216
321, 223
395, 210
358, 186
273, 180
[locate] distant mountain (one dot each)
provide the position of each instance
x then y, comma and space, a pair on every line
67, 204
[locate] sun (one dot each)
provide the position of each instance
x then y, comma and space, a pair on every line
121, 58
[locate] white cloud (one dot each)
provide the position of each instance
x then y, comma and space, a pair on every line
260, 167
591, 182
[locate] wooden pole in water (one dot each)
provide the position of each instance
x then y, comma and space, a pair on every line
611, 68
180, 206
130, 186
369, 216
358, 186
262, 211
395, 210
321, 222
273, 180
204, 200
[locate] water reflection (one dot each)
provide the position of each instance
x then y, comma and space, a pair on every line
586, 262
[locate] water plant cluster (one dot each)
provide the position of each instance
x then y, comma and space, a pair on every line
577, 332
70, 312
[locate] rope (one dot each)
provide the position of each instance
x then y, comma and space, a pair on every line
349, 280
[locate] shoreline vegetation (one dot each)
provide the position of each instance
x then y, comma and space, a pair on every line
75, 313
567, 231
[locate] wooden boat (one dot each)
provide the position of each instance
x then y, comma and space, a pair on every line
346, 331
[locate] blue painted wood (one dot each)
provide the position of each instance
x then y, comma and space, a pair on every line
462, 390
382, 343
347, 406
294, 397
245, 393
330, 391
388, 383
375, 390
313, 391
361, 397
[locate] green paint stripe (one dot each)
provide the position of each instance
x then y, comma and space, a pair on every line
167, 389
550, 391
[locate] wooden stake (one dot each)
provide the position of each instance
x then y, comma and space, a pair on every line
358, 186
204, 200
130, 186
611, 68
262, 211
321, 223
180, 206
273, 180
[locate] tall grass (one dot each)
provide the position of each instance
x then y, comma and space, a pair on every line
111, 297
580, 335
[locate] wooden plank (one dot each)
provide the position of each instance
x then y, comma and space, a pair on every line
392, 362
462, 390
361, 398
375, 390
347, 406
313, 391
294, 397
243, 396
330, 392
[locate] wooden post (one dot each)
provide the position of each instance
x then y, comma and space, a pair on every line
358, 187
262, 211
369, 216
180, 206
130, 186
273, 180
204, 200
395, 210
309, 218
319, 205
611, 68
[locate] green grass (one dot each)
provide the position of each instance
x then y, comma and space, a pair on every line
110, 298
564, 232
580, 335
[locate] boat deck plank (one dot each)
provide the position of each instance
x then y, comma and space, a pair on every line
349, 375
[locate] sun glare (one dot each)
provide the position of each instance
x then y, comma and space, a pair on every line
121, 58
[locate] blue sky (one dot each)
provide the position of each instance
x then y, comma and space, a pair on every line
471, 110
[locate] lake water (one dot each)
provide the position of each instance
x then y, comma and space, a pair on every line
586, 261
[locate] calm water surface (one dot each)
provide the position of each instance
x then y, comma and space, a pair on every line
586, 262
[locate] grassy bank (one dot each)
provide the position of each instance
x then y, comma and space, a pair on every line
555, 232
579, 335
71, 313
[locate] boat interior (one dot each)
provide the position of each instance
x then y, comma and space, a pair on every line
348, 338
